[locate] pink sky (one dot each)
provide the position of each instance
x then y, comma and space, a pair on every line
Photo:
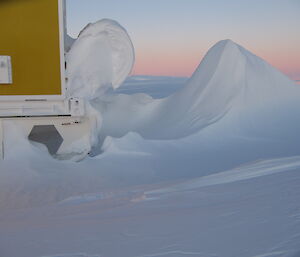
171, 62
171, 36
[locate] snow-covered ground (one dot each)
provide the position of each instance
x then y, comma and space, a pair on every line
252, 211
127, 203
205, 166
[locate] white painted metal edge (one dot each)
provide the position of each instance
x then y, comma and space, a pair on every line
62, 31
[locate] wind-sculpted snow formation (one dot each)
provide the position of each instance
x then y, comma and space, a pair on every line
232, 89
235, 106
230, 83
101, 57
235, 109
214, 164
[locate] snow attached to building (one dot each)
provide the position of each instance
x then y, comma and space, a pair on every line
101, 58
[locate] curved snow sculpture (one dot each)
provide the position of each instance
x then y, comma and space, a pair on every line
232, 90
101, 58
230, 84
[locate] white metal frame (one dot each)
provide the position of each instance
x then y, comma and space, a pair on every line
62, 96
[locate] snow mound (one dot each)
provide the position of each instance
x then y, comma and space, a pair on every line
232, 89
235, 109
230, 85
100, 58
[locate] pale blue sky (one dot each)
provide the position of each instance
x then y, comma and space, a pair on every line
183, 30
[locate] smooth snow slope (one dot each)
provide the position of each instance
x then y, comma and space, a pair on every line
253, 216
116, 205
232, 91
230, 83
224, 184
237, 108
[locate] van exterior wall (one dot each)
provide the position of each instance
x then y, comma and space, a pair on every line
32, 33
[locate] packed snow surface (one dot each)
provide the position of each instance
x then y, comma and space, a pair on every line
207, 166
252, 216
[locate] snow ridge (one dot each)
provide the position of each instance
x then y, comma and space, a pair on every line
230, 81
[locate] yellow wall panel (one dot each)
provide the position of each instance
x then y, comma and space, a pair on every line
29, 33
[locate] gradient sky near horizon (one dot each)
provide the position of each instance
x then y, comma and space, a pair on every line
172, 36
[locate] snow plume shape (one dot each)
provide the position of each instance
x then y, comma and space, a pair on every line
232, 91
100, 58
231, 87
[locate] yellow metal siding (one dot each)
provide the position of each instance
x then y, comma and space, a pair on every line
29, 33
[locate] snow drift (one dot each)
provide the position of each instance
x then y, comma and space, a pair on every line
230, 80
234, 126
101, 58
235, 109
231, 87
